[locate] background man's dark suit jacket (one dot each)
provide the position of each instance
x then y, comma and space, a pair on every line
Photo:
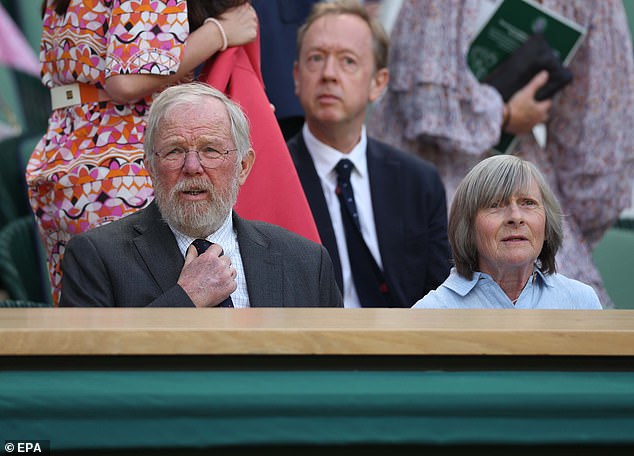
410, 214
135, 262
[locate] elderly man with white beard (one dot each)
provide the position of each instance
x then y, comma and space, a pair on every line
189, 248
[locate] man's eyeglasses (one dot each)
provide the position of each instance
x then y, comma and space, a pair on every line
174, 157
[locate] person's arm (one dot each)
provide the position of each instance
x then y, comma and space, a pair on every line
433, 96
240, 26
591, 136
330, 296
85, 280
89, 280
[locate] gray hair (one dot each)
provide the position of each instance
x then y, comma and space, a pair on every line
498, 178
190, 94
380, 39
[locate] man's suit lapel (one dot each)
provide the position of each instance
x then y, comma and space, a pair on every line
158, 248
262, 266
388, 200
315, 195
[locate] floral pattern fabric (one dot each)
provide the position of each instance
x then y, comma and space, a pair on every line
88, 170
434, 107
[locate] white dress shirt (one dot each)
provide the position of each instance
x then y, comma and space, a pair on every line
226, 238
325, 159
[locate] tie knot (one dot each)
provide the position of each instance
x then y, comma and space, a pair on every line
201, 245
344, 168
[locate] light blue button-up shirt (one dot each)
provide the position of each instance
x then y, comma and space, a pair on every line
553, 291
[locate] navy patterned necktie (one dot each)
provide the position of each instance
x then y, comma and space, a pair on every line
201, 246
368, 278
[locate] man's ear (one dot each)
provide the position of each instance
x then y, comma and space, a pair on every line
378, 83
245, 166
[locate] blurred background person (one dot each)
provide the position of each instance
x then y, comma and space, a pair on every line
505, 227
104, 61
435, 108
279, 21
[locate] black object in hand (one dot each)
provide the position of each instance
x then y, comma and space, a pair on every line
524, 63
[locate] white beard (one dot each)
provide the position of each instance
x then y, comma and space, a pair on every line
195, 218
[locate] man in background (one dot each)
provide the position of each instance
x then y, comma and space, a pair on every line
380, 212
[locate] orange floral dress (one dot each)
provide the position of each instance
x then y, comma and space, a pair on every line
88, 170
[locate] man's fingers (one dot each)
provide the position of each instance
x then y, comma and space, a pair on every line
190, 254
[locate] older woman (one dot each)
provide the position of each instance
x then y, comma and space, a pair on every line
505, 227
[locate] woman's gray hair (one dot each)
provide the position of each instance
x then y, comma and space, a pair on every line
494, 179
191, 94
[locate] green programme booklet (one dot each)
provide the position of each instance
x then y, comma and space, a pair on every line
507, 24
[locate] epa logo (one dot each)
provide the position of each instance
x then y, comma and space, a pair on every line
40, 447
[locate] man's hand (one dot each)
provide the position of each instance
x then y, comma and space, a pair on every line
208, 279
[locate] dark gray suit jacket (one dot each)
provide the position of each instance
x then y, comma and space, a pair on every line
410, 215
135, 262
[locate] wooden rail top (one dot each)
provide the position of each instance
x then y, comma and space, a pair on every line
301, 331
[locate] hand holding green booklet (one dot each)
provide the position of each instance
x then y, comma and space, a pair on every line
519, 39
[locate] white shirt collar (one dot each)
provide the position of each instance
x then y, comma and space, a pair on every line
226, 238
222, 236
326, 158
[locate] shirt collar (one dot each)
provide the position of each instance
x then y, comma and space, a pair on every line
542, 278
326, 158
221, 236
461, 286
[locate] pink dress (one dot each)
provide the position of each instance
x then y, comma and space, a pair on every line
434, 107
88, 170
